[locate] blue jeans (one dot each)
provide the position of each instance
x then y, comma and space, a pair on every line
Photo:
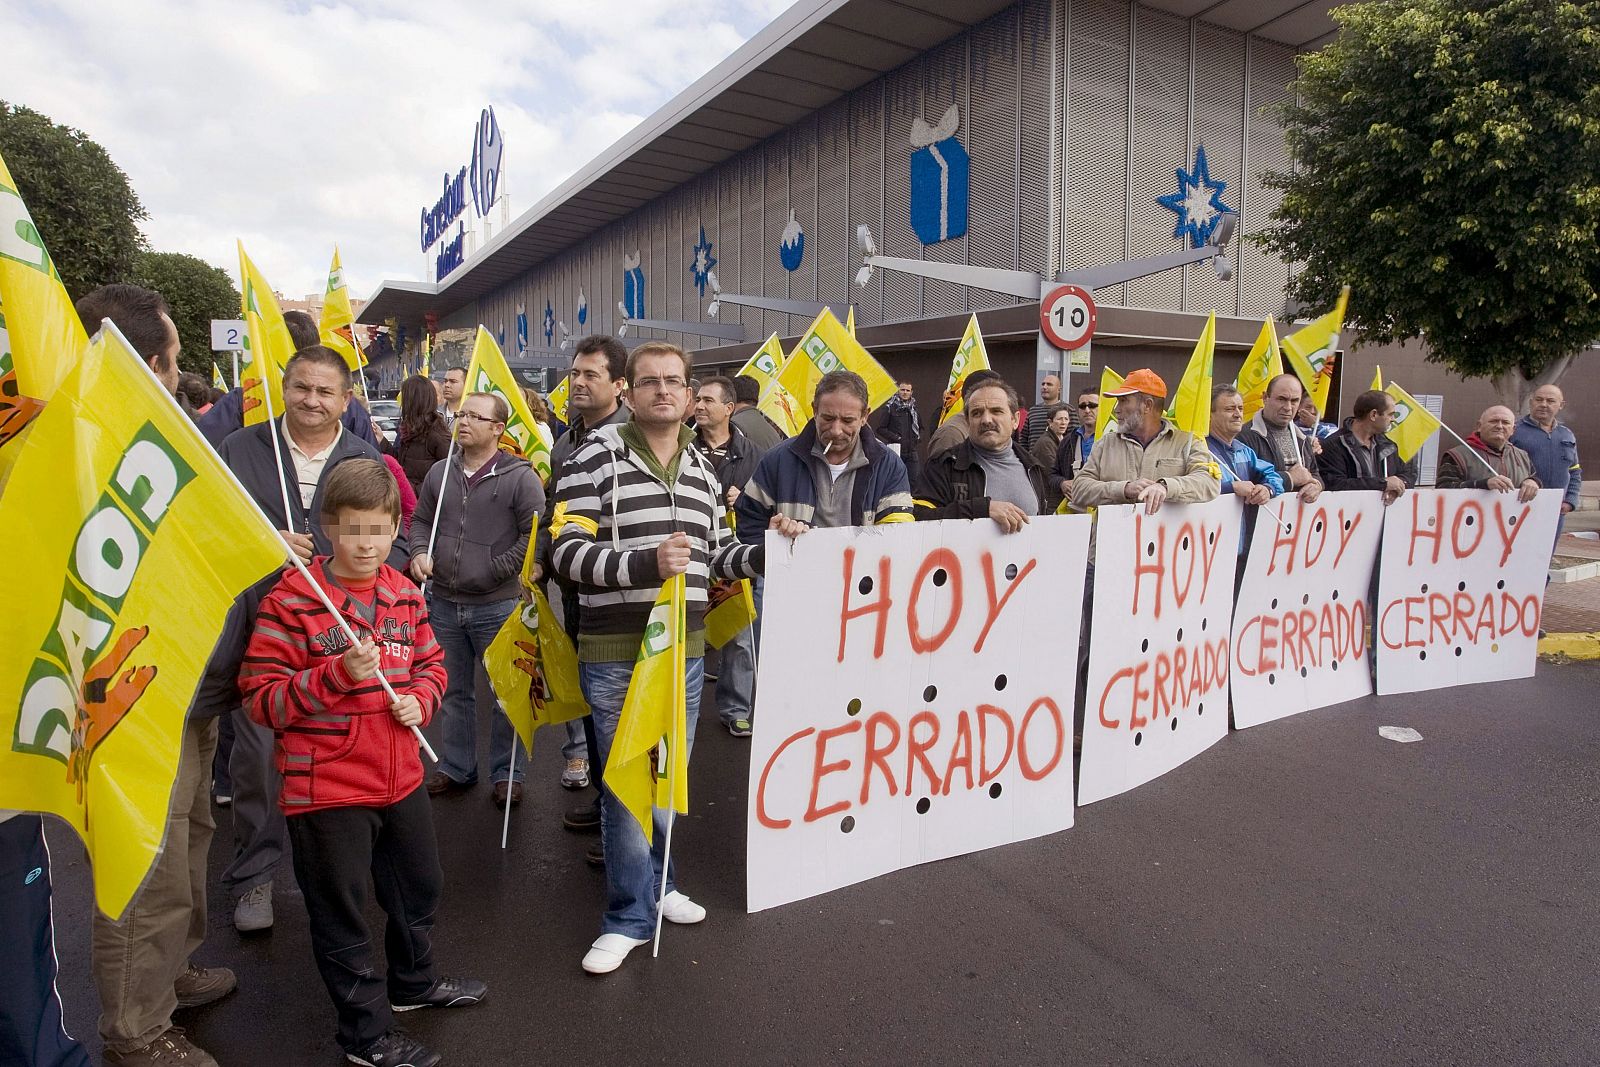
465, 632
633, 867
736, 677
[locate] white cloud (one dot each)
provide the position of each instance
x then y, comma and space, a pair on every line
292, 126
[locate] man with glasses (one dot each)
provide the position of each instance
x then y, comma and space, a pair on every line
1274, 436
1076, 445
733, 458
486, 500
1361, 456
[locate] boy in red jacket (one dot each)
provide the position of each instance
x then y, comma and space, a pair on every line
352, 780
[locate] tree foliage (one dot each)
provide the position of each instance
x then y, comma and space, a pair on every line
1447, 168
196, 292
80, 200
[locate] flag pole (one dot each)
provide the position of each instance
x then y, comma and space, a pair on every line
277, 446
680, 717
438, 508
511, 783
1473, 452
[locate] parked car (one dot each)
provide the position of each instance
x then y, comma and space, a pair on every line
386, 413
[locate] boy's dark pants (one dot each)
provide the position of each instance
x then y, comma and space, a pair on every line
336, 851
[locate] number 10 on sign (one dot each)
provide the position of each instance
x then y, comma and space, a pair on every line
1067, 316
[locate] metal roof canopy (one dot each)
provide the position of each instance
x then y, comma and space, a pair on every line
812, 54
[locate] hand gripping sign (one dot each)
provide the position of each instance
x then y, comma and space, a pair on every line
1159, 645
1300, 623
912, 701
1461, 587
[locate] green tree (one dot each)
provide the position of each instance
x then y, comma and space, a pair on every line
1447, 167
81, 201
197, 292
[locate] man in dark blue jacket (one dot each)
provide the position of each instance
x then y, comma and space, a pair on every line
1552, 446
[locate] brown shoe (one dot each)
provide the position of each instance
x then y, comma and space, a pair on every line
201, 985
440, 784
504, 790
170, 1048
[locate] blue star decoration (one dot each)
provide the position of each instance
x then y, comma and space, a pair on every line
549, 322
701, 265
1197, 203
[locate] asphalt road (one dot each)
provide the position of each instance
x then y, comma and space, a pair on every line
1305, 892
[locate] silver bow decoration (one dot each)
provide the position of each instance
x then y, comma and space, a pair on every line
923, 135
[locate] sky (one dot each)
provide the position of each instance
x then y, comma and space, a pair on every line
295, 126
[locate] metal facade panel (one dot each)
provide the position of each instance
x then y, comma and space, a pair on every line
1263, 275
1219, 126
1096, 152
1039, 36
902, 293
730, 248
752, 208
991, 135
945, 79
776, 170
829, 246
711, 212
866, 194
1160, 146
803, 202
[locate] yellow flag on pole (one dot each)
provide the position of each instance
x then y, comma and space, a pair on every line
730, 607
337, 329
1377, 377
1312, 350
217, 380
1263, 364
1191, 405
850, 320
970, 355
1109, 380
557, 400
1413, 423
532, 665
489, 373
654, 716
268, 347
427, 352
764, 364
116, 502
824, 347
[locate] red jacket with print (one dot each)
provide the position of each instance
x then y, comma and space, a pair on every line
336, 743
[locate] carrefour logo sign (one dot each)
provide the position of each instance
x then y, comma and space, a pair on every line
482, 176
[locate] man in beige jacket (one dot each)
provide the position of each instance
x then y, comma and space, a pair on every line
1148, 460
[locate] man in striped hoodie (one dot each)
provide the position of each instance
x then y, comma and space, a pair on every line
634, 506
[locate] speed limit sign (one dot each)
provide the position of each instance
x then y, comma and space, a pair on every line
1067, 316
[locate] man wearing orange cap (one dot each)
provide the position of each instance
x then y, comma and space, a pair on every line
1148, 460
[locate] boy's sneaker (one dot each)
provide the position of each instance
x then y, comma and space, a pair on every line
254, 910
201, 985
170, 1048
739, 727
576, 776
446, 993
395, 1049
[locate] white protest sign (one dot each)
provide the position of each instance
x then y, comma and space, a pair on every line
1159, 643
1461, 587
1300, 620
914, 700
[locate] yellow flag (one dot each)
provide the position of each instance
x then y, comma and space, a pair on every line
1109, 380
970, 355
117, 503
268, 347
217, 380
779, 405
764, 363
850, 320
427, 351
337, 329
556, 400
1413, 423
1191, 405
40, 334
532, 665
488, 373
1377, 377
824, 347
1311, 351
1263, 364
731, 607
654, 713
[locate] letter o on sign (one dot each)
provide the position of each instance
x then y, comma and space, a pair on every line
1067, 316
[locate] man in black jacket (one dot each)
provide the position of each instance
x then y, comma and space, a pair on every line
898, 423
988, 475
1361, 456
1274, 436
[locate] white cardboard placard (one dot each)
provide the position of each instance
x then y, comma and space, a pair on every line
1301, 619
1461, 587
933, 723
1157, 694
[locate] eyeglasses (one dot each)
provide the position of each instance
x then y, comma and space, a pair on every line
473, 416
659, 383
1087, 407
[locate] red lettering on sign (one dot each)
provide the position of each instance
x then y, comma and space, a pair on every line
1508, 539
996, 606
1468, 517
1421, 532
1026, 766
821, 769
761, 786
1346, 534
1157, 570
985, 713
877, 754
960, 753
917, 751
939, 558
879, 607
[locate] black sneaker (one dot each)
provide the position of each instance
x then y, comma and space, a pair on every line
583, 820
395, 1049
446, 993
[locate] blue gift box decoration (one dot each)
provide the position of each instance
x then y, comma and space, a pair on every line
940, 169
632, 287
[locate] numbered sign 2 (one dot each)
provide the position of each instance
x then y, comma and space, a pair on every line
1067, 316
227, 335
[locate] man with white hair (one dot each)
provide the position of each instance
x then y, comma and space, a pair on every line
1489, 460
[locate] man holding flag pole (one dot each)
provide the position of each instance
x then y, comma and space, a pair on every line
636, 507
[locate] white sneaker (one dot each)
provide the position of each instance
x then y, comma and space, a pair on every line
608, 952
677, 908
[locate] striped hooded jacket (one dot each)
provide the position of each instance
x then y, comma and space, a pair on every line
611, 512
880, 490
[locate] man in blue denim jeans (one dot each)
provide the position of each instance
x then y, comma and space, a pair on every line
487, 501
634, 506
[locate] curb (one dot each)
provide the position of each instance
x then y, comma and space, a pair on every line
1569, 648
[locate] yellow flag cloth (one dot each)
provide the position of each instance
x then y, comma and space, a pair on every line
850, 320
557, 400
970, 355
427, 352
337, 329
654, 713
1191, 405
1413, 423
217, 380
1377, 377
1109, 380
730, 608
117, 503
827, 346
1263, 364
764, 363
1311, 351
268, 347
489, 373
534, 670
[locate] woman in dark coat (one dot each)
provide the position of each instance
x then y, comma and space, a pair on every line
422, 439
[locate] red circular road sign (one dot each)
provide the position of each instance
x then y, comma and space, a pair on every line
1067, 316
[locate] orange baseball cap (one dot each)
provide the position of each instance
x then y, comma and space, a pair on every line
1143, 380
